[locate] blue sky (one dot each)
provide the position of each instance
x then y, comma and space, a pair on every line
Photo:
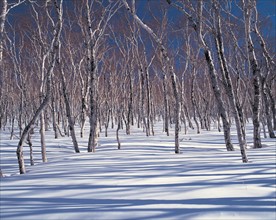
266, 8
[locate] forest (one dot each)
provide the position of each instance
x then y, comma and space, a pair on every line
115, 64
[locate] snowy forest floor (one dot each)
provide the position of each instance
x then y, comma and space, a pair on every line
143, 180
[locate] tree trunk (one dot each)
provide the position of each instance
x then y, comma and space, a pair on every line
273, 107
166, 113
83, 111
2, 25
92, 141
228, 85
31, 148
54, 122
212, 73
130, 105
267, 112
188, 117
30, 125
42, 136
118, 128
193, 100
166, 59
12, 125
221, 108
68, 111
256, 106
91, 62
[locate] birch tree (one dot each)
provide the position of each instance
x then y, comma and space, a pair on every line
66, 100
53, 53
249, 17
5, 8
94, 37
168, 63
197, 24
227, 82
266, 79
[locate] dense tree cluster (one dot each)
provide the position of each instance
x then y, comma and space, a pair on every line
121, 63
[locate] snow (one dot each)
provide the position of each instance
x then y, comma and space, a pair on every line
143, 180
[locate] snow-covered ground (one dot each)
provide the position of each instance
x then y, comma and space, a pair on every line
143, 180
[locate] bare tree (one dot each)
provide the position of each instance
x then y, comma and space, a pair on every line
167, 62
227, 82
250, 17
67, 102
5, 8
266, 79
197, 23
94, 36
53, 52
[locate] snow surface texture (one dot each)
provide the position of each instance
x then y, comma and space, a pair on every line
143, 180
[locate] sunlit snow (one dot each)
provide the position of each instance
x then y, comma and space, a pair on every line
143, 180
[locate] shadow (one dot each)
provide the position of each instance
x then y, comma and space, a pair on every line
143, 180
95, 208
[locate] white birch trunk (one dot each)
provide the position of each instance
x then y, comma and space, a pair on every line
256, 72
92, 141
54, 120
68, 111
166, 58
166, 112
212, 72
2, 25
228, 85
46, 99
42, 136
